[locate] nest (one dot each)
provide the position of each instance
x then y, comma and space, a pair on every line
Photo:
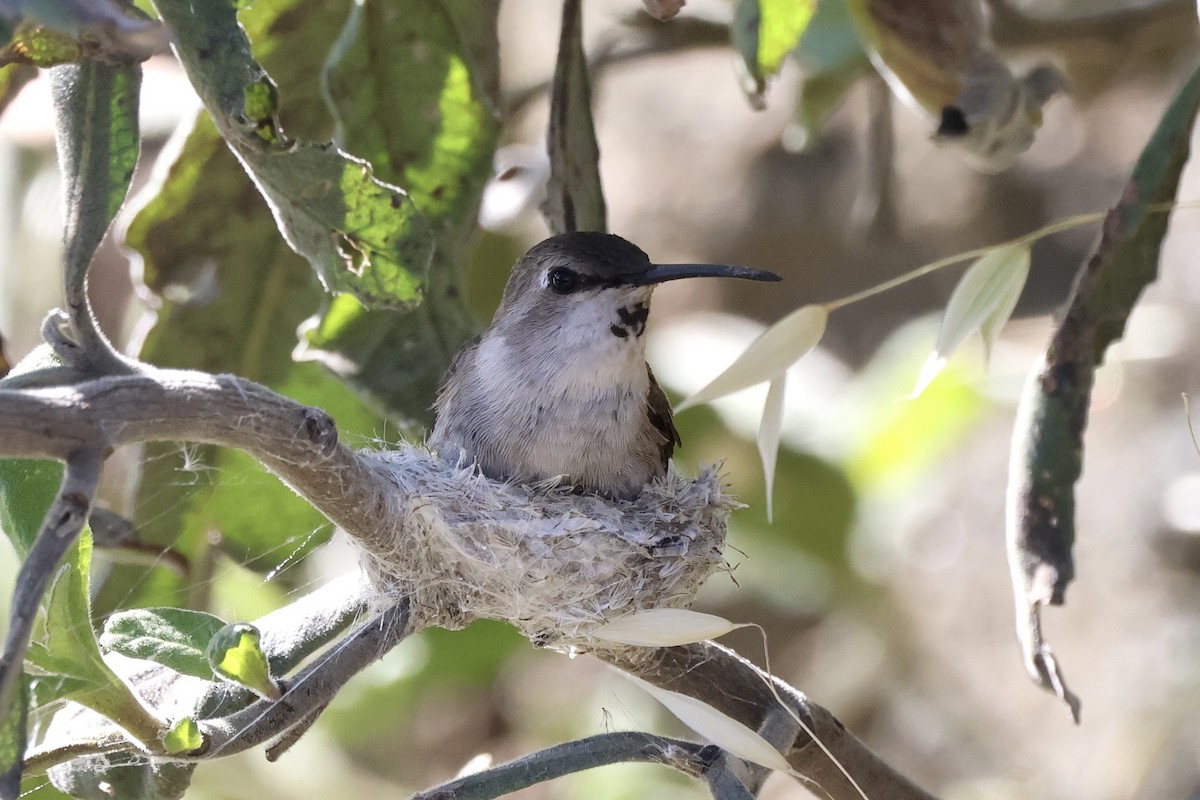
554, 562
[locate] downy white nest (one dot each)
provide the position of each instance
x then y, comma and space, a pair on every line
553, 562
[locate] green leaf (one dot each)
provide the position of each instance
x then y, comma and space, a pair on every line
96, 133
69, 635
98, 147
232, 295
71, 646
12, 742
574, 194
360, 234
394, 361
234, 654
174, 637
183, 737
764, 32
27, 488
832, 59
1047, 452
413, 91
47, 689
40, 46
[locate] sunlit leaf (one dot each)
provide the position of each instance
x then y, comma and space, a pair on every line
983, 301
183, 737
206, 298
664, 627
721, 729
832, 59
985, 296
236, 655
769, 430
779, 346
360, 234
413, 90
764, 32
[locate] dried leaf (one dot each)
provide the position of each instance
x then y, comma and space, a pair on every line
780, 346
983, 301
664, 627
720, 729
768, 435
574, 194
986, 295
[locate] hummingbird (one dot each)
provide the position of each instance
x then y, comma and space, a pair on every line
558, 384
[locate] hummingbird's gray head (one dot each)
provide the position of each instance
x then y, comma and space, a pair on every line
590, 283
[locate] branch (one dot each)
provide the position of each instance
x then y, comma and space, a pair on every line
731, 684
289, 635
298, 443
577, 756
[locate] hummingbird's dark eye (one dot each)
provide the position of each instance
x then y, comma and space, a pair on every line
563, 280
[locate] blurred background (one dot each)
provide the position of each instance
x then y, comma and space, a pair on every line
881, 584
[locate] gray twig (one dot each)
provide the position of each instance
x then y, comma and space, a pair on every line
96, 129
571, 757
60, 528
311, 690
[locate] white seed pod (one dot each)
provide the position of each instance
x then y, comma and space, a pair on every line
552, 562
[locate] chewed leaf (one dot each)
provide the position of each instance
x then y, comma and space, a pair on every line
779, 346
985, 296
664, 627
720, 729
768, 435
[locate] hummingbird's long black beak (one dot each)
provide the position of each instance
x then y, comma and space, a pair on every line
660, 273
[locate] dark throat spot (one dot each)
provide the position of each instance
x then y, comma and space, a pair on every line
633, 318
